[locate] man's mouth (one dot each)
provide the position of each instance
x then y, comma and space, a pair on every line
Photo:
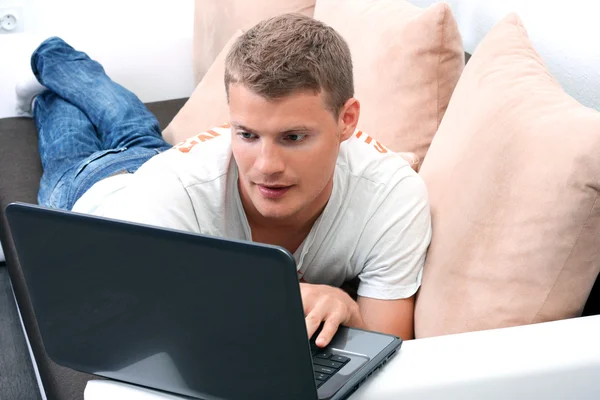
272, 191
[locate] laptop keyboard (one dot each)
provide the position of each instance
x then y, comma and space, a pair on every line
325, 364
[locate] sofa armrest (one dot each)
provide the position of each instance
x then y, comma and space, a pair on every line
553, 360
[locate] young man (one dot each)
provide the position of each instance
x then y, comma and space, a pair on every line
290, 170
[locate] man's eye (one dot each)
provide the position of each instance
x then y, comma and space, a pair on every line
246, 135
296, 137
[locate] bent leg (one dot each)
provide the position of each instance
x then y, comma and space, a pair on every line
73, 159
120, 118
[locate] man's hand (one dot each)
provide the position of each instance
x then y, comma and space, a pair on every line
333, 306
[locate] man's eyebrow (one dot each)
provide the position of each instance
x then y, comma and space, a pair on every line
241, 127
299, 128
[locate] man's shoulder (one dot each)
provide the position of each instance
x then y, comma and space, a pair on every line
372, 179
209, 141
198, 159
362, 156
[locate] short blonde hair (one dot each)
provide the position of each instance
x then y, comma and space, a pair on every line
290, 53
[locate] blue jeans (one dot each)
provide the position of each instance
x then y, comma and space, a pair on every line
89, 126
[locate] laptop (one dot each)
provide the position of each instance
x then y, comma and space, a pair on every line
184, 313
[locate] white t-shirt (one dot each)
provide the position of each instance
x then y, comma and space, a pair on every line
376, 225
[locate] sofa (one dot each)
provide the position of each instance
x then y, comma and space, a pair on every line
20, 171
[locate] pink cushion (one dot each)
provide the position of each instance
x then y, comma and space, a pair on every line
216, 20
207, 107
513, 176
407, 61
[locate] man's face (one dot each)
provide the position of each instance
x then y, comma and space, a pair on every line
286, 151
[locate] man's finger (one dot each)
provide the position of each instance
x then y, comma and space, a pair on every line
329, 329
313, 321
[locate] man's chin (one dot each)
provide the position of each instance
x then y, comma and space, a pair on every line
274, 212
276, 215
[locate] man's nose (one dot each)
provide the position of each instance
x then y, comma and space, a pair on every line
270, 160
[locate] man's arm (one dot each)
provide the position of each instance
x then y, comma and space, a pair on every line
397, 237
394, 317
392, 253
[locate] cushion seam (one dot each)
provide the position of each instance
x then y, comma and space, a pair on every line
439, 68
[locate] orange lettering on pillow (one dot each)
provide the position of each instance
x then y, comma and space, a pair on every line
358, 134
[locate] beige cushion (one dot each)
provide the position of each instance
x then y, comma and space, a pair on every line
216, 20
513, 176
407, 61
207, 107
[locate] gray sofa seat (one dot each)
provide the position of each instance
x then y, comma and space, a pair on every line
17, 376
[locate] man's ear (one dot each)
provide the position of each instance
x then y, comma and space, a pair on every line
349, 118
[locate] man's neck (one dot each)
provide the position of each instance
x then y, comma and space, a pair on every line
287, 237
290, 232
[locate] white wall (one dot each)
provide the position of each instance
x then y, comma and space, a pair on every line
565, 32
145, 45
